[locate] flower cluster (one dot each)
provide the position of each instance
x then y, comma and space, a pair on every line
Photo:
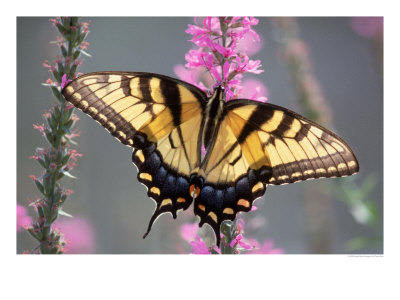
57, 159
220, 56
78, 234
232, 241
23, 219
368, 27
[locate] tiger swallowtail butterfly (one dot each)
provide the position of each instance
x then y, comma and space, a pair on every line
246, 144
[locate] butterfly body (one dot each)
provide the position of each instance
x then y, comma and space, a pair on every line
192, 148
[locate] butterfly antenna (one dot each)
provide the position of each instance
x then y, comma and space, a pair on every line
211, 75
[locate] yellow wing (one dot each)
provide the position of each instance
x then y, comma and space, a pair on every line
294, 147
259, 144
159, 116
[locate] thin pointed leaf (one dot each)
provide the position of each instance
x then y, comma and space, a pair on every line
85, 53
66, 173
63, 213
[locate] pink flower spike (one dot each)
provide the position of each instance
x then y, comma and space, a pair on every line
78, 233
189, 232
69, 106
199, 247
238, 241
367, 27
46, 64
216, 75
254, 89
23, 220
64, 81
253, 208
267, 247
226, 68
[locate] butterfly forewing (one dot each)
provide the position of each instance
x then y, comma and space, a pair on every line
296, 148
159, 116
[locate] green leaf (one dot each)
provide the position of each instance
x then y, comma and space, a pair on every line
36, 235
39, 186
63, 51
73, 69
63, 213
76, 54
66, 173
60, 28
71, 141
66, 128
360, 243
85, 53
56, 92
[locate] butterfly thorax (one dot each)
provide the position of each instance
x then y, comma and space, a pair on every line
213, 114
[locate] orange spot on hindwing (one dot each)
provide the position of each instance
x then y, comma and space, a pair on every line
194, 191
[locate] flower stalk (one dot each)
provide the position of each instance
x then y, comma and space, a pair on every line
220, 58
296, 54
58, 158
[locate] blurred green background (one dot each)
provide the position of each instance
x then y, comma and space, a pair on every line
115, 206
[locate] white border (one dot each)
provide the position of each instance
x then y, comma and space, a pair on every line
199, 277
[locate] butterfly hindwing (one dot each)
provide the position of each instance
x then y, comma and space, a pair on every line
157, 115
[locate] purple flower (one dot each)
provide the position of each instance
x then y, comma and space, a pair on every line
249, 45
23, 220
267, 247
78, 233
189, 233
238, 240
198, 246
255, 90
367, 27
217, 52
64, 80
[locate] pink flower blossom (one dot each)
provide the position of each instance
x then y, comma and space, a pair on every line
189, 231
50, 82
60, 40
74, 155
73, 134
47, 65
267, 247
367, 27
84, 45
192, 76
249, 45
78, 234
238, 240
198, 246
41, 128
54, 21
23, 219
69, 106
218, 53
190, 235
254, 89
